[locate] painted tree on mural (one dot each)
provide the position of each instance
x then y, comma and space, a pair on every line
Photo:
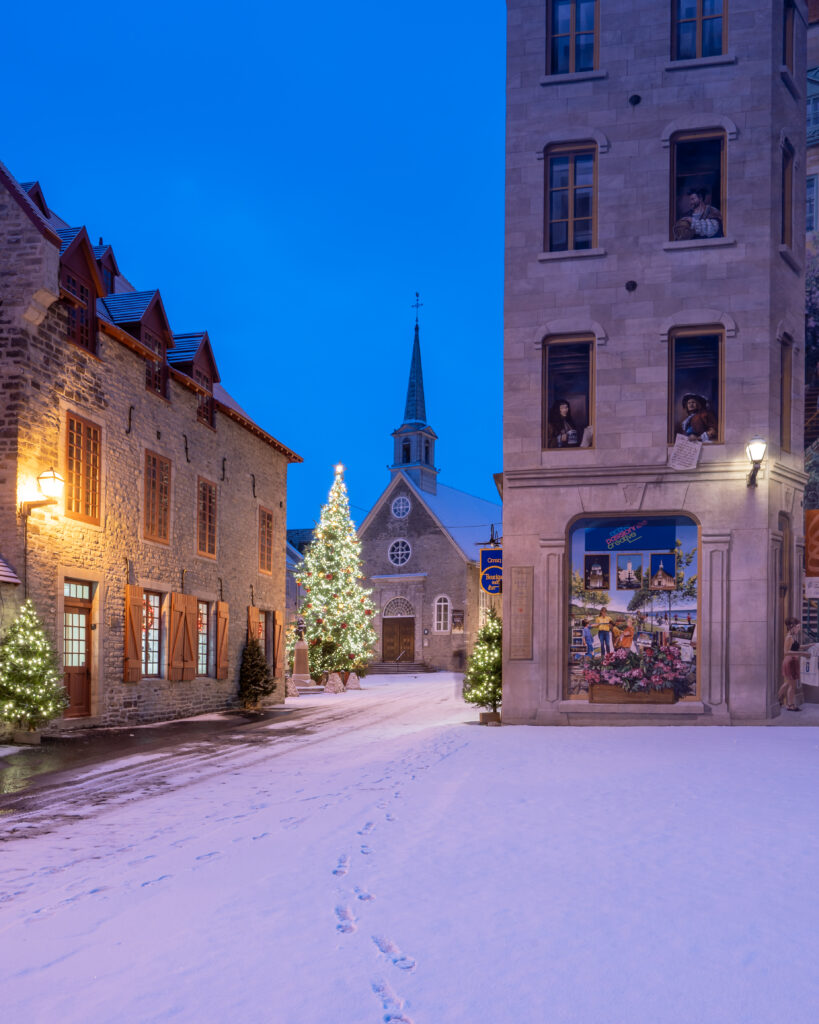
587, 598
685, 589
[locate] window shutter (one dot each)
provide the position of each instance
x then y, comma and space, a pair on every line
189, 636
132, 665
222, 622
176, 636
252, 622
278, 644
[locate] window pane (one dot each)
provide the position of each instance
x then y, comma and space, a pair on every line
810, 205
567, 393
559, 172
561, 16
712, 37
583, 203
559, 205
560, 55
582, 234
686, 9
686, 41
584, 170
696, 387
559, 237
711, 7
584, 53
584, 18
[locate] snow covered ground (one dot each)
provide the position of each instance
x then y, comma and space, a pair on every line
383, 858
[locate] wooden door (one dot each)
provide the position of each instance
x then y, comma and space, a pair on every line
77, 659
398, 636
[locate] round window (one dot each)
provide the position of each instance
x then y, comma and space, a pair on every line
399, 552
401, 507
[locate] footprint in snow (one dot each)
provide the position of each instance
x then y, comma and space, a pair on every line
208, 856
391, 817
391, 1004
366, 850
153, 881
346, 921
394, 954
291, 822
342, 867
366, 829
261, 835
362, 894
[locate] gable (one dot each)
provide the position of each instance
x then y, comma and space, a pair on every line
78, 255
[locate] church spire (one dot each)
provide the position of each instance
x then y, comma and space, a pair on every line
415, 409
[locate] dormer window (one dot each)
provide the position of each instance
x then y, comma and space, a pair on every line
81, 318
107, 279
156, 374
204, 410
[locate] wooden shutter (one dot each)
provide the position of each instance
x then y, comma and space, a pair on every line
189, 636
176, 635
252, 622
222, 622
278, 644
132, 665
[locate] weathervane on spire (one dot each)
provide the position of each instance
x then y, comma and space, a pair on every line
416, 306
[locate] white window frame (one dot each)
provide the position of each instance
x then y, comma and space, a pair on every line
442, 601
399, 540
404, 514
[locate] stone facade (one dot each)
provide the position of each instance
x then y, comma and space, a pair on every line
627, 294
44, 377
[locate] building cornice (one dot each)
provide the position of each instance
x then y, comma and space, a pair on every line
590, 476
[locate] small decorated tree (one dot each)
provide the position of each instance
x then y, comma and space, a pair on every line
31, 685
337, 611
483, 679
255, 678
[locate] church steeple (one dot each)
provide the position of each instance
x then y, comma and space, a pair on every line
414, 441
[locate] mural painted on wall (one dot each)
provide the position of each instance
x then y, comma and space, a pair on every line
633, 587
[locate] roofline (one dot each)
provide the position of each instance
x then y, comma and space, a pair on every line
28, 207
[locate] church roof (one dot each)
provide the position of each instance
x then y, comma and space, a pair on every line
415, 410
7, 574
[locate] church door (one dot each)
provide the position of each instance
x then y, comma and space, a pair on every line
399, 639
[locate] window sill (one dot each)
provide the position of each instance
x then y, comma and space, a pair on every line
573, 76
699, 243
569, 254
787, 255
682, 707
787, 77
701, 62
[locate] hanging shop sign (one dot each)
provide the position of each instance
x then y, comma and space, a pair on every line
491, 570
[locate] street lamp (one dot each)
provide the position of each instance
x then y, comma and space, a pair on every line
755, 450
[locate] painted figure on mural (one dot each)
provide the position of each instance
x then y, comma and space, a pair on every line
791, 666
562, 431
701, 221
699, 422
604, 625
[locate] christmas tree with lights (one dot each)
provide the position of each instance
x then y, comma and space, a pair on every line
482, 682
337, 611
31, 685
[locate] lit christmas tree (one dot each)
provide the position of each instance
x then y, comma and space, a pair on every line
338, 613
482, 682
31, 685
255, 678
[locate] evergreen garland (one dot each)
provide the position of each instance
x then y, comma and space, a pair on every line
31, 684
483, 679
255, 678
337, 611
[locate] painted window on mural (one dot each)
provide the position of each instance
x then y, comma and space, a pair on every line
633, 607
698, 29
567, 368
695, 361
697, 182
572, 34
570, 192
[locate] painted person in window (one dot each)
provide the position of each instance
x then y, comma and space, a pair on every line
562, 431
700, 423
701, 221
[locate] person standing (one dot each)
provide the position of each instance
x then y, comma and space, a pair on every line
791, 666
626, 638
604, 625
587, 637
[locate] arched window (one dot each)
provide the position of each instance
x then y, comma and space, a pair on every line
399, 552
405, 451
398, 608
442, 616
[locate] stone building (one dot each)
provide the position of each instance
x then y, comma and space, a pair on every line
654, 290
420, 547
168, 542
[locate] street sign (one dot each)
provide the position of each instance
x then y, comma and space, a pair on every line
491, 570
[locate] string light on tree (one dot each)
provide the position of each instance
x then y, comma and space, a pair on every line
338, 617
31, 685
483, 679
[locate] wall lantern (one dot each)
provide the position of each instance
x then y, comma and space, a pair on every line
51, 487
755, 450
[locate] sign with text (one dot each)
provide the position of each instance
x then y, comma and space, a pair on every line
491, 570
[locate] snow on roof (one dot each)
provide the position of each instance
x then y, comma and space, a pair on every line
222, 396
466, 518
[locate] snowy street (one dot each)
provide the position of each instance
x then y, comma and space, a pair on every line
380, 857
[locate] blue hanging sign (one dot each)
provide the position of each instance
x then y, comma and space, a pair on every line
491, 570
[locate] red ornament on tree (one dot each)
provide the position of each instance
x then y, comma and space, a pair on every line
319, 621
343, 625
329, 576
368, 612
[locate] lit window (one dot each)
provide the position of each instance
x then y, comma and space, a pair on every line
567, 393
151, 626
570, 199
695, 385
399, 552
401, 507
202, 638
206, 529
83, 468
697, 182
442, 615
698, 29
572, 29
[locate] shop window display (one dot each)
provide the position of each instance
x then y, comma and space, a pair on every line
633, 586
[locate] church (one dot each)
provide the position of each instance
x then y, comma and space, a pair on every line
420, 546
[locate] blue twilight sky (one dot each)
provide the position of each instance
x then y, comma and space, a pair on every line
288, 176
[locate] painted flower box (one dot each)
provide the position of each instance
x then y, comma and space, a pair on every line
608, 693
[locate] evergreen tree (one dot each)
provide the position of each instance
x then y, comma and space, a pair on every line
337, 611
31, 685
255, 678
483, 679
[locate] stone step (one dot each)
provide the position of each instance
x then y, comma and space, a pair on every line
305, 691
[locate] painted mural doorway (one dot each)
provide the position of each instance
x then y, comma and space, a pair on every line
398, 631
77, 647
